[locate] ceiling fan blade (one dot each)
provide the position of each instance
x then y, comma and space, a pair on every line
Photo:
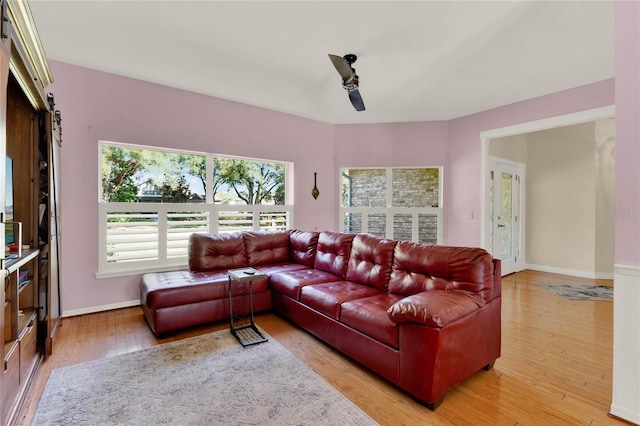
356, 100
342, 66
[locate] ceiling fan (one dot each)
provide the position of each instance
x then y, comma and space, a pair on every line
350, 80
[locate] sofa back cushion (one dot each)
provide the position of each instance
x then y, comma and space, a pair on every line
303, 246
333, 252
208, 252
370, 261
422, 267
264, 247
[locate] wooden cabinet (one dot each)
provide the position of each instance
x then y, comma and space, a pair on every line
21, 354
30, 135
10, 381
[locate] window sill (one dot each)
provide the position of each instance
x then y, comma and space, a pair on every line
140, 271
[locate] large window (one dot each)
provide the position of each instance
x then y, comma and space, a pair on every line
397, 203
151, 200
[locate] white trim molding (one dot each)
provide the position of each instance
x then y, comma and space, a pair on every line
625, 402
631, 271
573, 272
102, 308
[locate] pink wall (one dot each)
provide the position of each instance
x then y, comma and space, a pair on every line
99, 106
627, 233
406, 144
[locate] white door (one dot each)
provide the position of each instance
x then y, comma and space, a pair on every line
506, 192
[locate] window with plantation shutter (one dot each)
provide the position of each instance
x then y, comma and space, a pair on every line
151, 200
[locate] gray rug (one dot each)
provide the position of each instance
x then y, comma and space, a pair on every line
204, 380
581, 292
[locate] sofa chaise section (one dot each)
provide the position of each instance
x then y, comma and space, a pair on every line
179, 299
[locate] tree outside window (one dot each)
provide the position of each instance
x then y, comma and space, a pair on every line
141, 175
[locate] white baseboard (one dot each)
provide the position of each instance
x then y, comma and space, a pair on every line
573, 272
101, 308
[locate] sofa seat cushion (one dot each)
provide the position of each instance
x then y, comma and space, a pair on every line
290, 282
369, 316
437, 308
328, 297
175, 288
275, 268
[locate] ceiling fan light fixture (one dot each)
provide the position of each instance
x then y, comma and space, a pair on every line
350, 87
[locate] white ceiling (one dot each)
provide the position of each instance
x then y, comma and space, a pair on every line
417, 60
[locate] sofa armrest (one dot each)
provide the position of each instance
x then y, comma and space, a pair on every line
497, 278
435, 308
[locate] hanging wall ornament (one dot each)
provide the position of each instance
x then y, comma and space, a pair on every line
315, 191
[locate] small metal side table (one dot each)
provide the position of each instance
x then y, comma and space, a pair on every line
246, 333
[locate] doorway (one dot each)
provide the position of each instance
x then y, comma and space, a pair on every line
490, 232
505, 213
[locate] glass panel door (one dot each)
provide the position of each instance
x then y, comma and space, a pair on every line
504, 218
506, 215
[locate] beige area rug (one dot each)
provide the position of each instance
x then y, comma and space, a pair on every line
204, 380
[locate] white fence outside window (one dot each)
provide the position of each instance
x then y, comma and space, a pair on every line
144, 237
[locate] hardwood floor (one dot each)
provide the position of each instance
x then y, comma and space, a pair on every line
555, 368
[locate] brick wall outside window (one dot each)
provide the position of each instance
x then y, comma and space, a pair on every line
410, 188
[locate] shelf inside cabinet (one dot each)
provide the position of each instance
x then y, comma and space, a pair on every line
13, 265
8, 346
20, 294
26, 317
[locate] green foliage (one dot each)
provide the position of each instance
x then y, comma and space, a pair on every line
119, 165
176, 191
197, 166
254, 182
218, 166
345, 188
173, 168
165, 176
126, 193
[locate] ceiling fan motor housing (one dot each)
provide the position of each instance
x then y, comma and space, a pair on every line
350, 58
354, 82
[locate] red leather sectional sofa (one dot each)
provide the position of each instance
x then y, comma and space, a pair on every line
424, 317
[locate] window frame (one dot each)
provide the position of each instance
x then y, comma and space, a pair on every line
389, 210
164, 261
